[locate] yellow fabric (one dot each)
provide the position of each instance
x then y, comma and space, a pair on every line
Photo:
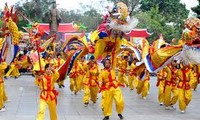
57, 66
13, 71
132, 78
195, 81
123, 65
47, 91
161, 76
168, 99
36, 66
3, 96
185, 97
143, 86
110, 92
110, 95
91, 84
42, 108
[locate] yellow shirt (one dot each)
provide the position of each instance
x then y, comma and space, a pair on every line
47, 86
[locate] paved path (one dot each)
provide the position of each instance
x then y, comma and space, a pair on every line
23, 104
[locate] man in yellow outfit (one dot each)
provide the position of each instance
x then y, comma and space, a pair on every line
91, 83
3, 96
57, 64
81, 72
111, 91
144, 85
132, 77
14, 69
161, 76
123, 65
170, 86
48, 95
185, 94
74, 78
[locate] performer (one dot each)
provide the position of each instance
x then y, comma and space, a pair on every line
195, 81
170, 86
123, 65
91, 83
81, 72
14, 69
57, 64
111, 91
48, 95
132, 77
3, 96
185, 93
161, 77
74, 78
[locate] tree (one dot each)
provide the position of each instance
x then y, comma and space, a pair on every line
197, 9
173, 10
132, 4
155, 23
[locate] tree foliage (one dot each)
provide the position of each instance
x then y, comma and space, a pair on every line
197, 9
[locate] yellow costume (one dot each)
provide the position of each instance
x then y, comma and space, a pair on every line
81, 73
57, 64
161, 76
91, 84
111, 91
48, 96
185, 94
195, 81
170, 87
143, 86
74, 78
3, 96
14, 69
132, 77
123, 64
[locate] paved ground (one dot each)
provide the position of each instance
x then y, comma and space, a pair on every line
23, 104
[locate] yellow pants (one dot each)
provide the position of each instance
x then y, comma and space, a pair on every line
161, 91
109, 96
103, 99
185, 97
80, 82
90, 93
132, 79
73, 85
143, 87
168, 100
122, 78
42, 108
3, 96
13, 72
194, 83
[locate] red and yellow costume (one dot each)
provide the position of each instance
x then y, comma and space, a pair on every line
170, 86
111, 91
74, 78
122, 69
132, 77
161, 76
3, 96
81, 73
91, 84
57, 64
185, 93
195, 81
48, 96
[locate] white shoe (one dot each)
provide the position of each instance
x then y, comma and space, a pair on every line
182, 111
144, 98
148, 93
172, 107
167, 108
161, 104
2, 110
